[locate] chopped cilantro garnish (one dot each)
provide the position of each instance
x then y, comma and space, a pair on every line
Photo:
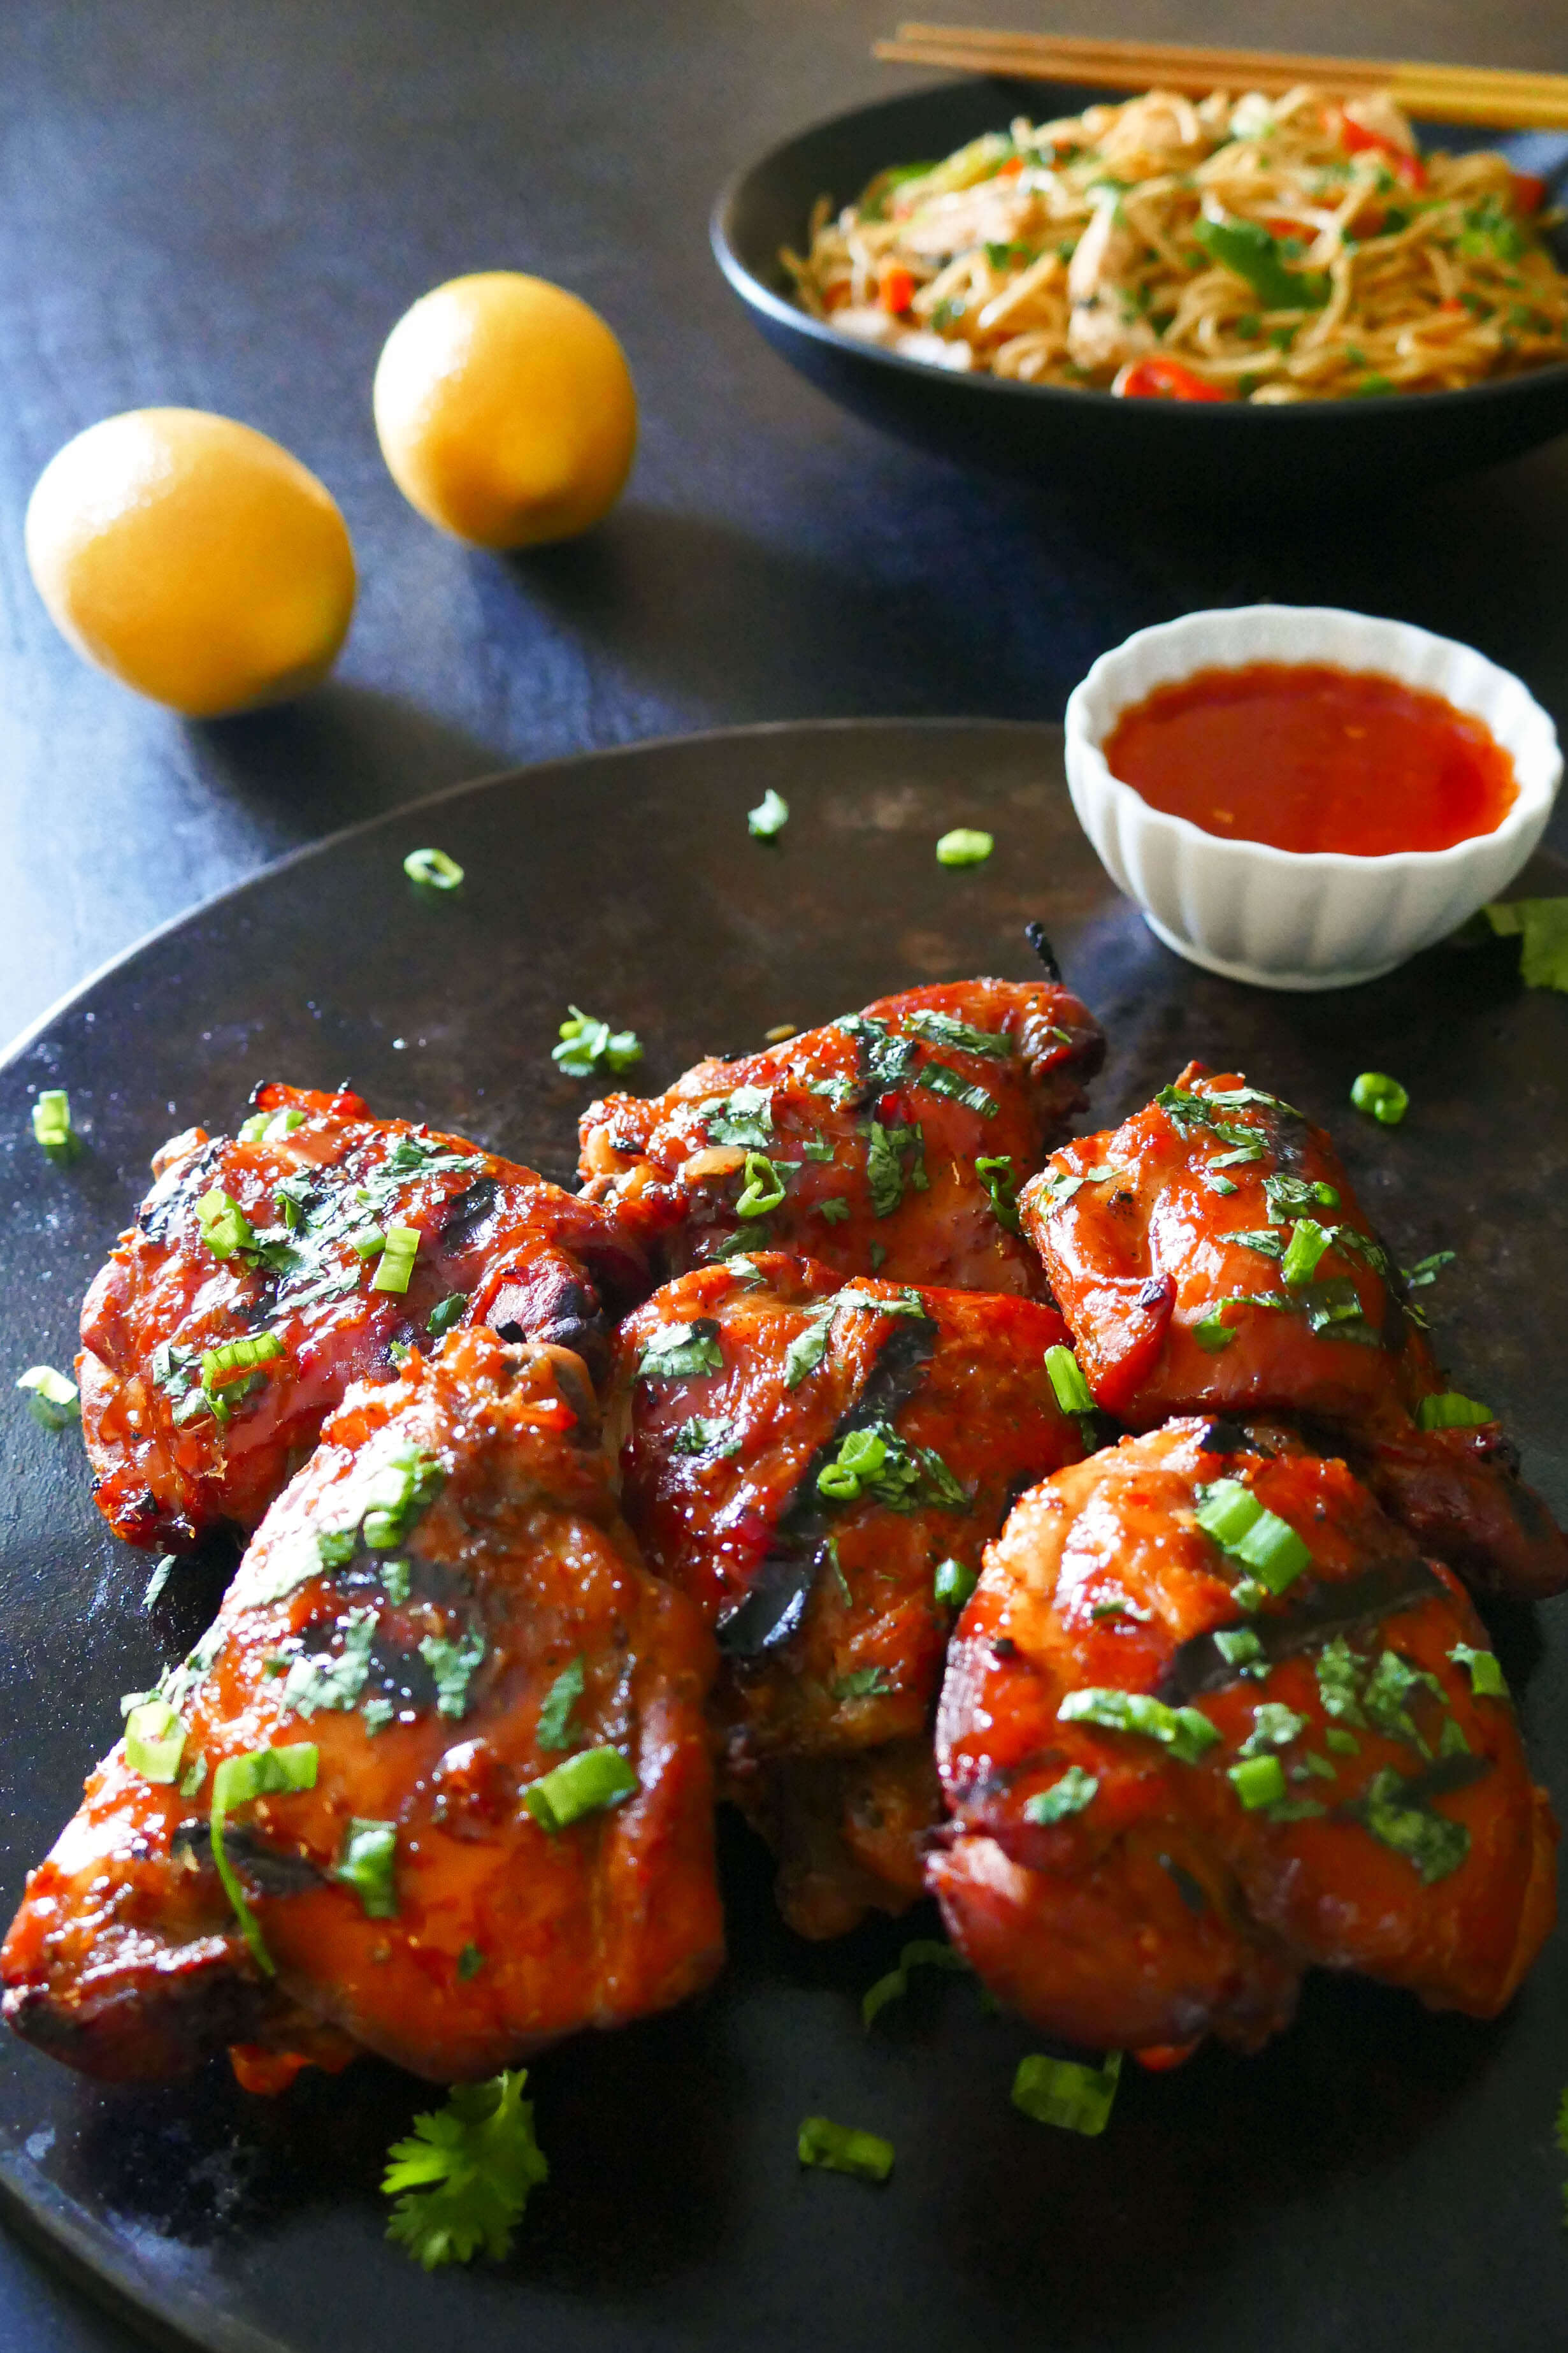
1450, 1411
864, 1682
712, 1435
808, 1347
588, 1046
1426, 1270
769, 818
939, 1080
554, 1729
465, 2173
745, 1117
839, 2149
878, 1462
159, 1578
1541, 926
452, 1665
884, 1168
1069, 1795
470, 1961
445, 1313
681, 1352
1295, 1197
834, 1210
328, 1681
953, 1583
154, 1740
1436, 1845
1273, 1727
1187, 1732
1065, 2093
944, 1030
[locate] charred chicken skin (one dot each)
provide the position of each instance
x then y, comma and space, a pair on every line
492, 1820
1210, 1718
892, 1140
256, 1284
1210, 1256
803, 1456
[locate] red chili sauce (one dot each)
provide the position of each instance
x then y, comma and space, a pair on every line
1308, 758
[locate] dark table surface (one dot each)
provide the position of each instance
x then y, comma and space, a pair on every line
227, 207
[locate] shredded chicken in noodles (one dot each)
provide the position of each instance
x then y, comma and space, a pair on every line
1270, 251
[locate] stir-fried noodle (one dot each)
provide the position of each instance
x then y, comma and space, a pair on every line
1264, 249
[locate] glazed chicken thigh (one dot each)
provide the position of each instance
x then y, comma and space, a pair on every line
1210, 1256
437, 1783
265, 1273
1210, 1718
818, 1464
891, 1142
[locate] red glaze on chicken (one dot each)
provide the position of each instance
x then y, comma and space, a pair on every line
892, 1140
447, 1607
1210, 1256
803, 1456
1321, 1766
272, 1241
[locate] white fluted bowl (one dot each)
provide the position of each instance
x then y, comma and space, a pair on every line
1287, 919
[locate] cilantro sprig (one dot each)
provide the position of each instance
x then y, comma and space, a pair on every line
463, 2176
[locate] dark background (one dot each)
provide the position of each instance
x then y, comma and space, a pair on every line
228, 205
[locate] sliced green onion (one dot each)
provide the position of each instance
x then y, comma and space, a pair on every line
922, 1952
1072, 1391
369, 1242
397, 1263
236, 1355
1187, 1732
1307, 1244
225, 1227
432, 870
1487, 1678
282, 1123
1258, 1782
1239, 1647
52, 1122
365, 1864
52, 1400
154, 1740
1452, 1412
253, 1129
839, 2149
1064, 2093
769, 818
1381, 1097
966, 845
470, 1961
445, 1313
553, 1729
1342, 1743
264, 1772
764, 1188
1240, 1525
953, 1583
1069, 1795
596, 1778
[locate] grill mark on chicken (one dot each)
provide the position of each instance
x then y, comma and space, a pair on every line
773, 1606
1320, 1614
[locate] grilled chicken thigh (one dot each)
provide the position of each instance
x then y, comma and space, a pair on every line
1209, 1719
892, 1140
1210, 1256
264, 1274
473, 1809
818, 1464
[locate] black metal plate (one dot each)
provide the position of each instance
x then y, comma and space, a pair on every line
1378, 2176
1304, 453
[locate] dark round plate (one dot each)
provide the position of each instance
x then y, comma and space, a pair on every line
1378, 2176
1302, 454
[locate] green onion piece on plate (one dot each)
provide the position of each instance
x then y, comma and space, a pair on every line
154, 1740
953, 1583
263, 1772
432, 870
769, 818
1062, 2091
52, 1122
396, 1263
966, 845
365, 1864
1258, 1782
586, 1783
839, 2149
1452, 1412
1381, 1097
52, 1400
1261, 1539
1072, 1391
225, 1227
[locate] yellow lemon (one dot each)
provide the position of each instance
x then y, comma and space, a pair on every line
192, 558
505, 410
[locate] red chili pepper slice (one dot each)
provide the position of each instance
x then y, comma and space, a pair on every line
1529, 191
1160, 379
896, 290
1356, 139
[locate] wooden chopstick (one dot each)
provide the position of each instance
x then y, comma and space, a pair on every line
1494, 97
